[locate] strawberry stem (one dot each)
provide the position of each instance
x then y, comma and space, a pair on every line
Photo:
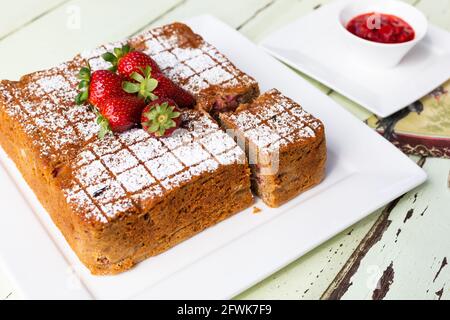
160, 118
143, 86
103, 123
85, 77
114, 58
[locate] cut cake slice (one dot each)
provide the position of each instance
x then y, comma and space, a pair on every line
285, 146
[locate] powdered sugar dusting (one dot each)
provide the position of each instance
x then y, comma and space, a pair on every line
233, 156
114, 175
46, 100
273, 121
195, 68
127, 169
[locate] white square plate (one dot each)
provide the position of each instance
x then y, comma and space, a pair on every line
312, 44
364, 173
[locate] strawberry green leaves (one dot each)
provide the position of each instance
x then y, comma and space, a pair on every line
114, 58
85, 77
104, 126
143, 86
161, 118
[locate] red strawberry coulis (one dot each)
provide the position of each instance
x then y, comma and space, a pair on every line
382, 28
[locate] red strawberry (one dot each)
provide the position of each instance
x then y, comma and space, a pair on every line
119, 114
161, 117
126, 61
136, 61
151, 87
167, 88
98, 86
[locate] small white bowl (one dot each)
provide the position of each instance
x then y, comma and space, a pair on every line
377, 54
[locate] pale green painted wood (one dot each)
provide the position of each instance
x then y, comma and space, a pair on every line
275, 15
57, 36
233, 12
353, 107
417, 252
438, 12
20, 13
255, 19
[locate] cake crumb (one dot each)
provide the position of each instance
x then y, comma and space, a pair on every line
256, 210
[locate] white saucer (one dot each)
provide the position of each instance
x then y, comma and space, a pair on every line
312, 44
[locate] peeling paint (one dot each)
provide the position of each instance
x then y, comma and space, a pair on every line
408, 215
397, 234
421, 162
342, 282
384, 283
424, 210
440, 293
443, 264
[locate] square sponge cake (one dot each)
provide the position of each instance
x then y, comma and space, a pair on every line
285, 146
130, 196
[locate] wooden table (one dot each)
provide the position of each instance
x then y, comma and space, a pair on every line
400, 251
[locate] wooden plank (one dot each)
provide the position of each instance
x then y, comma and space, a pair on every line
74, 27
233, 12
20, 13
357, 110
438, 12
405, 255
277, 14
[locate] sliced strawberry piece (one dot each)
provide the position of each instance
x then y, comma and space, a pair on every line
119, 114
161, 117
126, 61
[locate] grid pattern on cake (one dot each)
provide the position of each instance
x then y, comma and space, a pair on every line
273, 121
113, 175
195, 67
43, 103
